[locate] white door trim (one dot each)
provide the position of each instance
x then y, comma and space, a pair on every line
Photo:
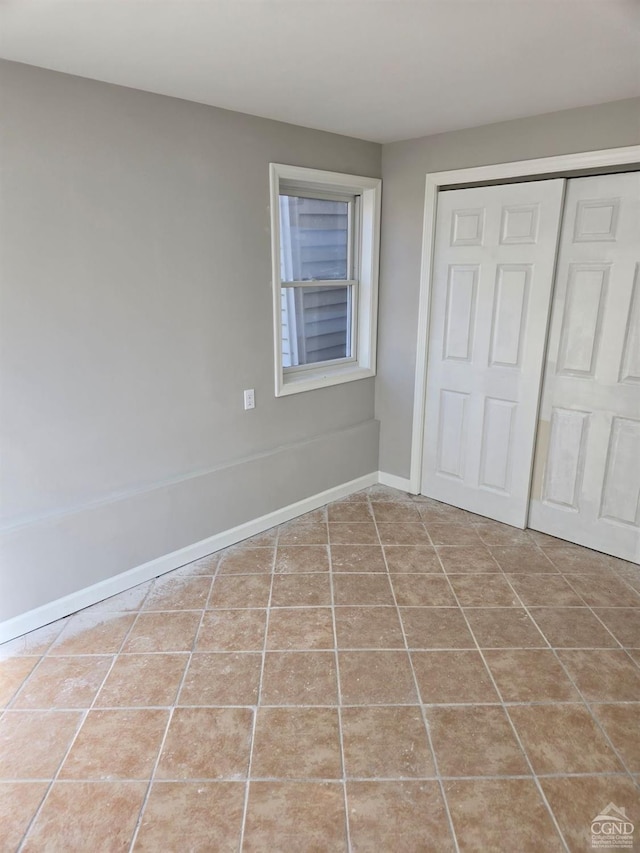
561, 166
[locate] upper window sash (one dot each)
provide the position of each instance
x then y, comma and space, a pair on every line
295, 229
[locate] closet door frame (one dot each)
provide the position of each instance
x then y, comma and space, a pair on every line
565, 166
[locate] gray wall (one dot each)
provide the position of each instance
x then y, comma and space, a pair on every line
404, 166
135, 308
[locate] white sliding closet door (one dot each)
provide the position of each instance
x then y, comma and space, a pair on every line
494, 257
586, 485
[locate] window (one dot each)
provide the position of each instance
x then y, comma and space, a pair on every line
325, 230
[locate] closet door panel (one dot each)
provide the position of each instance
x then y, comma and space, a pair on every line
494, 256
587, 465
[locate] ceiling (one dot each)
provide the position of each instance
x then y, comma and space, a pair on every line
376, 69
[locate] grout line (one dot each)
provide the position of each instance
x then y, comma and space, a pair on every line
347, 826
508, 716
421, 707
370, 501
580, 693
145, 799
85, 714
593, 613
425, 777
245, 805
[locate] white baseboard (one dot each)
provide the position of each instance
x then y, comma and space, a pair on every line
394, 482
61, 607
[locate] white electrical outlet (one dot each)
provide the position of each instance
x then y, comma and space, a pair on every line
249, 399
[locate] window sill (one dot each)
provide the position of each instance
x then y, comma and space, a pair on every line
309, 380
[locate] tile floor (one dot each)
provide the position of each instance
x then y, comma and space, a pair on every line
384, 674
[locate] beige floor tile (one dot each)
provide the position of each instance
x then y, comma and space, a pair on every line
400, 570
550, 590
295, 816
240, 591
504, 628
403, 533
232, 630
143, 681
33, 743
299, 678
394, 511
606, 675
572, 627
129, 601
476, 590
376, 678
436, 628
458, 535
353, 533
574, 559
494, 533
624, 624
380, 492
205, 565
243, 560
206, 743
221, 678
407, 816
523, 559
93, 634
452, 677
357, 558
300, 628
297, 743
473, 559
368, 628
500, 814
301, 590
163, 632
386, 742
121, 744
563, 739
576, 801
181, 593
630, 576
64, 682
35, 643
302, 558
264, 539
13, 673
316, 515
302, 533
194, 816
622, 725
530, 675
422, 590
433, 512
412, 559
349, 511
358, 589
19, 802
634, 654
543, 540
609, 591
475, 741
87, 816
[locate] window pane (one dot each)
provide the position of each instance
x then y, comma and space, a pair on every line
316, 324
314, 236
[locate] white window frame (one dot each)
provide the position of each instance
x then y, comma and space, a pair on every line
366, 242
